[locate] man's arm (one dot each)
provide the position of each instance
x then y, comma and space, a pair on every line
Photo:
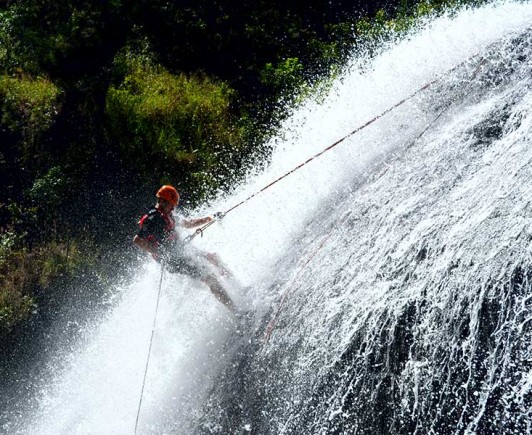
193, 223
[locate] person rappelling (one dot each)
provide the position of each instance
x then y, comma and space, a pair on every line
159, 237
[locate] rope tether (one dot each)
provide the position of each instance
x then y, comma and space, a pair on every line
339, 141
151, 342
273, 321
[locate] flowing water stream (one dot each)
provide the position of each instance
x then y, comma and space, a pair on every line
402, 258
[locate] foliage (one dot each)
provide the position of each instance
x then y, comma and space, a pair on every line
8, 240
14, 308
173, 127
5, 37
287, 73
48, 191
28, 108
28, 104
24, 273
66, 39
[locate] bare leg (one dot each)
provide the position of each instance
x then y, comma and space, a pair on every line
219, 292
214, 259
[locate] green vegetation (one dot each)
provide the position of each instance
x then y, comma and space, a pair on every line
29, 102
26, 272
28, 107
179, 124
101, 102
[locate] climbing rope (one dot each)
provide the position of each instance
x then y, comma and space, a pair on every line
273, 321
151, 342
220, 215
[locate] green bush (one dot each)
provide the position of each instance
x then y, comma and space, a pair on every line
14, 308
180, 124
14, 304
287, 74
48, 190
24, 273
28, 106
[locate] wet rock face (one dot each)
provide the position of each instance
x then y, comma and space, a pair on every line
414, 317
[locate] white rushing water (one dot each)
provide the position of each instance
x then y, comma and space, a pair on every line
402, 260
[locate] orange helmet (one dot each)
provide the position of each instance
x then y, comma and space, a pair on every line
169, 194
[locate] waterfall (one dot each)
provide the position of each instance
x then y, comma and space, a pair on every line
402, 258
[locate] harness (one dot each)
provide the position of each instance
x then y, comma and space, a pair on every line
159, 234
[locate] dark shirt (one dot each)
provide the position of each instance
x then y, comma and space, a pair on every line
157, 228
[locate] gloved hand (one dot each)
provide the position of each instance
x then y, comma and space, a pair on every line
218, 215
